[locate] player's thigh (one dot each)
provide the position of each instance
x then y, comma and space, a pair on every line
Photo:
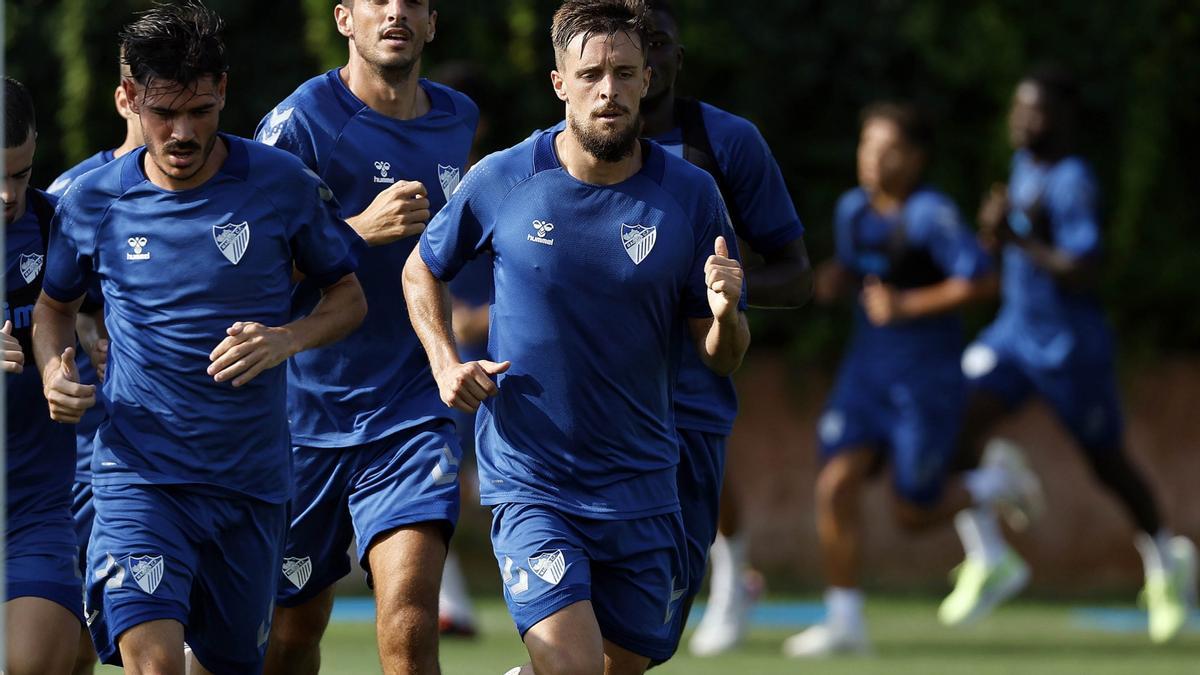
406, 567
300, 627
41, 636
699, 478
320, 530
927, 418
543, 562
409, 478
621, 661
154, 647
1086, 401
639, 579
992, 371
234, 597
567, 641
83, 513
850, 430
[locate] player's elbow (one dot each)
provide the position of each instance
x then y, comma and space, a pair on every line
416, 275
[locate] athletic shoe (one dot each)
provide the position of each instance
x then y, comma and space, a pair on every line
1024, 501
1168, 596
726, 617
826, 640
1183, 561
452, 627
979, 589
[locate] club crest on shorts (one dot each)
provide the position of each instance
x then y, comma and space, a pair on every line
31, 264
232, 239
549, 566
147, 571
638, 240
449, 177
297, 570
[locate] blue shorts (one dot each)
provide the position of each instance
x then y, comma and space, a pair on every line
168, 552
1083, 396
362, 492
913, 422
632, 571
699, 476
84, 512
42, 558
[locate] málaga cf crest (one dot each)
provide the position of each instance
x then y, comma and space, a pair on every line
638, 240
147, 571
232, 240
449, 177
297, 570
31, 264
549, 566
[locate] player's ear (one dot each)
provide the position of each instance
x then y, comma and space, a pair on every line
556, 79
646, 72
344, 20
221, 83
130, 89
432, 26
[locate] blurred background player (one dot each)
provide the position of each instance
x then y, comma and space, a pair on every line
192, 469
42, 607
732, 150
1051, 339
93, 340
375, 450
592, 231
911, 264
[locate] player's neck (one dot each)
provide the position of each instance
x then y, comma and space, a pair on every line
212, 165
390, 93
885, 203
585, 167
132, 142
658, 114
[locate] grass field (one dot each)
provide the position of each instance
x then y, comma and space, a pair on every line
1024, 638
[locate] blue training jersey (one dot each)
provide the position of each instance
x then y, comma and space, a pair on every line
592, 286
177, 268
39, 453
763, 216
376, 381
922, 244
64, 180
1043, 323
85, 431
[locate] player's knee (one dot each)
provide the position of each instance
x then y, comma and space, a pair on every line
837, 487
570, 662
297, 630
406, 629
908, 515
38, 659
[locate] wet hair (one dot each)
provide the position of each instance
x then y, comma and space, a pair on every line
590, 18
1058, 85
18, 114
178, 43
910, 119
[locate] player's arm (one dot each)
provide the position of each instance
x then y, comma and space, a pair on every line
249, 347
400, 211
784, 280
885, 304
1079, 272
54, 351
470, 322
462, 386
93, 337
832, 281
722, 340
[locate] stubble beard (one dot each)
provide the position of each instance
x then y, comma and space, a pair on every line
606, 147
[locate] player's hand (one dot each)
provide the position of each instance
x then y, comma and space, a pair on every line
994, 230
98, 354
881, 302
465, 386
14, 357
723, 276
400, 211
248, 349
68, 399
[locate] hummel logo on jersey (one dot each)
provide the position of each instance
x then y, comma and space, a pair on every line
274, 128
549, 566
137, 244
445, 470
638, 241
542, 228
31, 264
676, 594
297, 570
383, 177
515, 583
232, 239
147, 571
449, 177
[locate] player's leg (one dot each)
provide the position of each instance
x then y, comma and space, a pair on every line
404, 505
314, 558
40, 636
83, 513
456, 612
154, 648
568, 642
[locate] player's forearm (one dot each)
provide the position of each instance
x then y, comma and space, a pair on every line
429, 304
783, 281
362, 225
89, 326
340, 310
947, 296
53, 332
1075, 272
726, 343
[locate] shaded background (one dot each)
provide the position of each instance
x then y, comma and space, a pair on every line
802, 70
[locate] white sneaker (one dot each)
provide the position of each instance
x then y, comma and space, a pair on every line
725, 620
825, 640
1183, 566
1024, 501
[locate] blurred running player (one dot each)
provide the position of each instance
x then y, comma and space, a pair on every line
193, 239
42, 606
1051, 340
603, 246
375, 450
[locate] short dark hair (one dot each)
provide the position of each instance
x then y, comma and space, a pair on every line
19, 119
664, 6
175, 42
1057, 84
909, 118
597, 17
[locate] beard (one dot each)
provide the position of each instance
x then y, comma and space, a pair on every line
606, 146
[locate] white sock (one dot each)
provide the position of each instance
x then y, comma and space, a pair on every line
1155, 551
844, 607
728, 559
986, 484
980, 534
453, 600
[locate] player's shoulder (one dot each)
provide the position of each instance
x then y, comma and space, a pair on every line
928, 210
1073, 170
724, 126
319, 102
99, 186
265, 166
516, 163
451, 100
64, 180
850, 202
680, 177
